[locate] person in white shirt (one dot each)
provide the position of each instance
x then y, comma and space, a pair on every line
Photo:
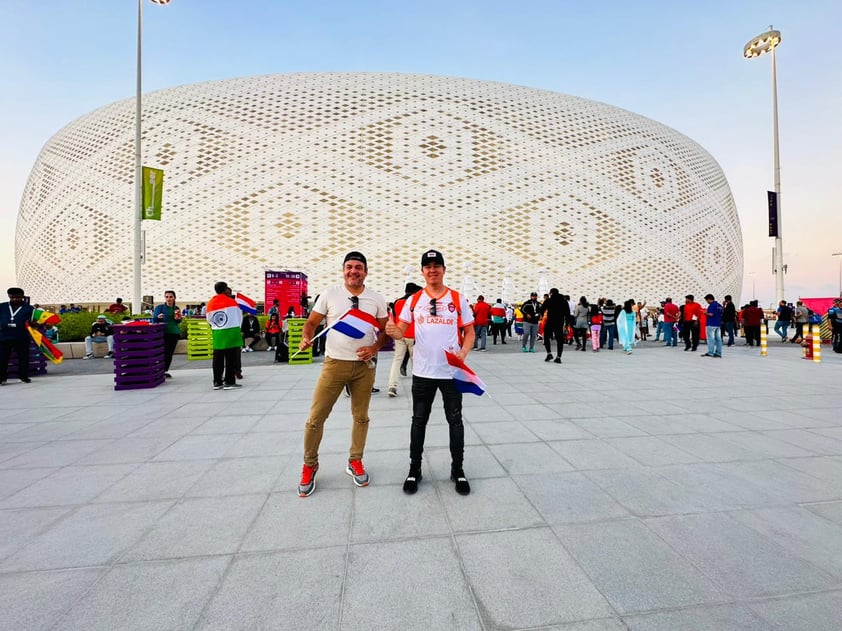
440, 315
348, 361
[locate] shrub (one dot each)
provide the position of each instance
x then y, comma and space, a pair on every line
75, 327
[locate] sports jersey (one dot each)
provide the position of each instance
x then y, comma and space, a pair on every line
334, 303
435, 334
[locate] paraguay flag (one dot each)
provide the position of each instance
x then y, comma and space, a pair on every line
246, 304
356, 323
466, 379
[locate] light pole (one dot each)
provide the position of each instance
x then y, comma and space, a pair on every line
766, 43
839, 254
137, 293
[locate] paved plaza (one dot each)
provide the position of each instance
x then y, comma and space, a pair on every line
657, 491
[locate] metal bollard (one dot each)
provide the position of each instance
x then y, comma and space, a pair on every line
817, 342
763, 352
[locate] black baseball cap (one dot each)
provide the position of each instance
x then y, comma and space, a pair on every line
355, 256
432, 256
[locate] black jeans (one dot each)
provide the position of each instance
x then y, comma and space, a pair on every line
226, 360
690, 333
423, 394
553, 330
21, 348
170, 342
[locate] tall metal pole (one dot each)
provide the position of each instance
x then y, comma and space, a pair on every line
779, 248
137, 295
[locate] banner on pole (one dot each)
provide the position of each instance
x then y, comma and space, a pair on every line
153, 189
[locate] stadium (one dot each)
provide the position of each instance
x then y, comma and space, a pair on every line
520, 188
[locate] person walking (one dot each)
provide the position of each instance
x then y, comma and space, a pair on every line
609, 324
557, 311
498, 321
531, 310
225, 318
729, 320
441, 315
671, 316
690, 324
169, 314
580, 323
596, 326
349, 361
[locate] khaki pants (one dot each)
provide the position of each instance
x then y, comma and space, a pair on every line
402, 347
335, 374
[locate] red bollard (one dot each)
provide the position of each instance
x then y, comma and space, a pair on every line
807, 347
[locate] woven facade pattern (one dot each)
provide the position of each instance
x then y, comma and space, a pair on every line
517, 186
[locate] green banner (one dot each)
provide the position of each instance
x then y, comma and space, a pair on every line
153, 189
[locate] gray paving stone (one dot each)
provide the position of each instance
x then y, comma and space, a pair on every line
712, 447
766, 445
808, 439
198, 447
239, 476
714, 617
568, 497
92, 535
276, 591
800, 531
384, 573
556, 429
289, 522
267, 444
33, 601
13, 480
724, 489
128, 449
494, 504
823, 468
529, 458
418, 515
829, 510
744, 562
19, 526
228, 424
593, 454
479, 462
159, 596
658, 424
557, 590
69, 485
48, 431
504, 432
156, 480
634, 569
778, 478
605, 427
197, 527
651, 450
55, 454
813, 612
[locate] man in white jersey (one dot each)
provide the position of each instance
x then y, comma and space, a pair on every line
347, 361
439, 315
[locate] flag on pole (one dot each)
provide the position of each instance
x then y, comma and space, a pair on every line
246, 304
466, 379
152, 193
356, 323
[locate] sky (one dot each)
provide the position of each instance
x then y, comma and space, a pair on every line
677, 62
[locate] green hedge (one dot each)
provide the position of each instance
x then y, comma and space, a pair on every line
75, 327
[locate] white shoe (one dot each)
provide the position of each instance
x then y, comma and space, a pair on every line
271, 348
244, 349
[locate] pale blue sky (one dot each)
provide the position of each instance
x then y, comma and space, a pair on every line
677, 62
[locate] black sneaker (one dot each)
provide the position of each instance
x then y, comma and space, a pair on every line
549, 357
231, 386
557, 360
217, 386
410, 485
109, 355
25, 380
462, 486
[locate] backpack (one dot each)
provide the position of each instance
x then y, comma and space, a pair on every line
456, 298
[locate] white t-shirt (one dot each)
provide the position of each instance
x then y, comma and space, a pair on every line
435, 334
334, 303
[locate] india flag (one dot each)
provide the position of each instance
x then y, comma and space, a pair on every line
225, 319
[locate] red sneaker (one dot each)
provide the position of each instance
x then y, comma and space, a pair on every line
308, 480
357, 471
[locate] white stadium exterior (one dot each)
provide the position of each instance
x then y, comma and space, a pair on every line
520, 188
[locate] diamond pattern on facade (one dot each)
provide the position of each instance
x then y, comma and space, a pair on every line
292, 171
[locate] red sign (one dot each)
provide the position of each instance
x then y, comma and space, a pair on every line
287, 288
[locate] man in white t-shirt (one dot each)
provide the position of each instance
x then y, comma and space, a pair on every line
439, 315
348, 361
